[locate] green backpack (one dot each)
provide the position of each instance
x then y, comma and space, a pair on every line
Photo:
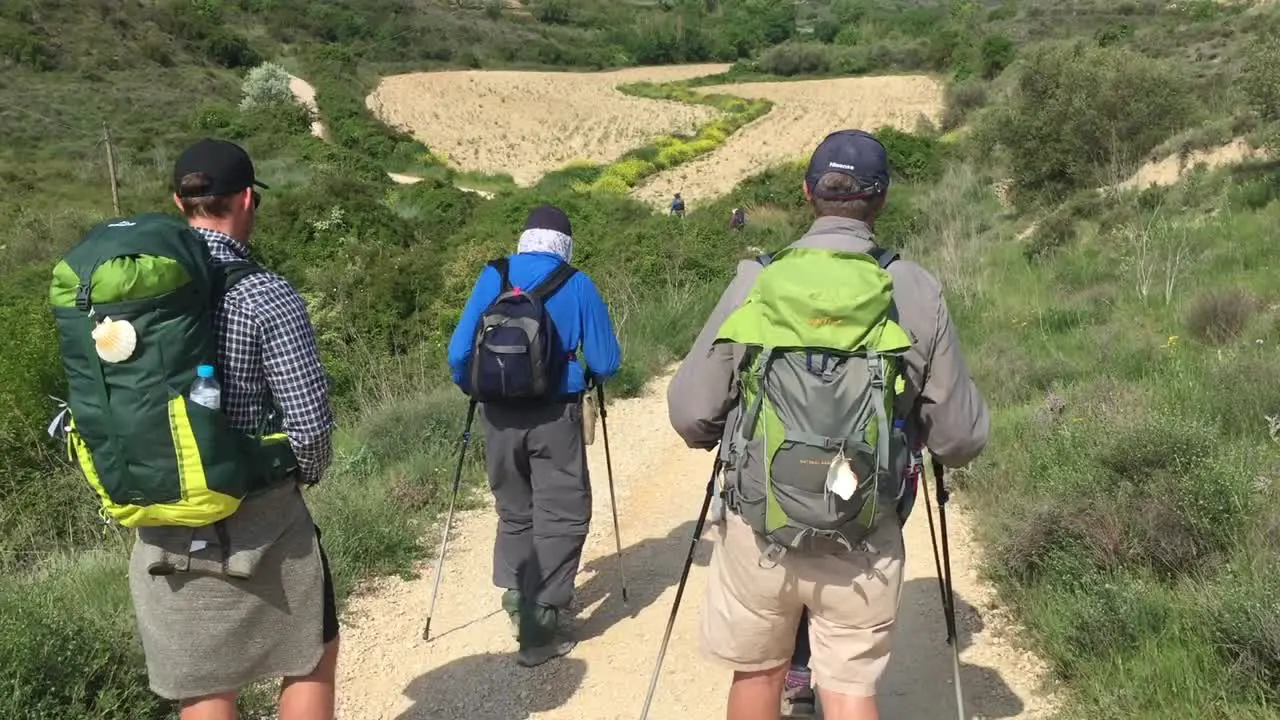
152, 457
816, 459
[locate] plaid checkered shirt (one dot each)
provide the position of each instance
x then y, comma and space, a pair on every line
267, 351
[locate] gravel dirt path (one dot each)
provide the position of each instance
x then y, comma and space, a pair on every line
468, 670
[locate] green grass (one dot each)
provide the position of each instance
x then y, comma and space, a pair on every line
1127, 496
486, 182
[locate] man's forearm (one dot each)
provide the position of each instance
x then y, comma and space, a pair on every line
314, 451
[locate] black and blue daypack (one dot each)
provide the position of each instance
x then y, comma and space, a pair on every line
516, 354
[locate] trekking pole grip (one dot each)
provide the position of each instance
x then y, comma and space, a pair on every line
471, 414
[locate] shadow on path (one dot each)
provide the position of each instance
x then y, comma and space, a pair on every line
918, 683
653, 565
492, 687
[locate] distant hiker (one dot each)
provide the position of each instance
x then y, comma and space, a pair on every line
521, 365
850, 419
226, 591
737, 219
677, 205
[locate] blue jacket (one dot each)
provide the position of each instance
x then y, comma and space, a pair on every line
579, 313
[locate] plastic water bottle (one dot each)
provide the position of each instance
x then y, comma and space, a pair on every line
205, 390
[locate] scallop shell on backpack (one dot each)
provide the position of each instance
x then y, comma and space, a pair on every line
115, 340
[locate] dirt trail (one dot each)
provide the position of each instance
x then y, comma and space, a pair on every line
1171, 169
468, 670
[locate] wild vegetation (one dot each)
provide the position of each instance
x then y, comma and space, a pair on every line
1129, 504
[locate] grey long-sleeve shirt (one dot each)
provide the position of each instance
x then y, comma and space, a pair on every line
950, 415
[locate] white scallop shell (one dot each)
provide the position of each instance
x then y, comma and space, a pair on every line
115, 340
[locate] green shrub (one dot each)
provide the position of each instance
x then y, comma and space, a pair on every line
961, 99
1246, 620
266, 84
1218, 317
914, 158
229, 49
1260, 77
1077, 112
556, 12
797, 58
24, 48
997, 53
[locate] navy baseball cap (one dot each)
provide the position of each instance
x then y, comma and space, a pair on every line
226, 164
854, 153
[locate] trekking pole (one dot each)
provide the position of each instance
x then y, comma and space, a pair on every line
444, 542
613, 504
684, 576
943, 567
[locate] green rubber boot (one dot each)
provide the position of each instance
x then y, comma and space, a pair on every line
511, 605
542, 636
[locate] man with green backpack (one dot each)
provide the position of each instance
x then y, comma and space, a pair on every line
819, 370
197, 409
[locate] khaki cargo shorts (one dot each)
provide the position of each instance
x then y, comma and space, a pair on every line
751, 612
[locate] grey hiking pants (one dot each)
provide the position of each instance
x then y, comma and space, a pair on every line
537, 466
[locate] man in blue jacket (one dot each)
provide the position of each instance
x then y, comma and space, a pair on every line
535, 453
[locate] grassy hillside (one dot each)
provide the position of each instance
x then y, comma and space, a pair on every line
1127, 503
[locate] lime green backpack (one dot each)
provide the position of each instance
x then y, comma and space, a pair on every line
134, 303
816, 456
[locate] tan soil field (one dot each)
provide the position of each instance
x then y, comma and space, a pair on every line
530, 123
803, 113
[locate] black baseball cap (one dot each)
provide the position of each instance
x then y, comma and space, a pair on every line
226, 164
855, 153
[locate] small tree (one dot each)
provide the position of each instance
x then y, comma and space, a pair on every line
552, 12
266, 84
1260, 78
1077, 113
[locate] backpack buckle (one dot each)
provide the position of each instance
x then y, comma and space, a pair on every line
774, 554
82, 298
877, 370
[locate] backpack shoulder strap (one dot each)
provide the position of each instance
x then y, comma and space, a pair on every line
553, 282
884, 256
234, 272
503, 266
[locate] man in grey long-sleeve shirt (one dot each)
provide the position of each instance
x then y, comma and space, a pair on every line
752, 611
